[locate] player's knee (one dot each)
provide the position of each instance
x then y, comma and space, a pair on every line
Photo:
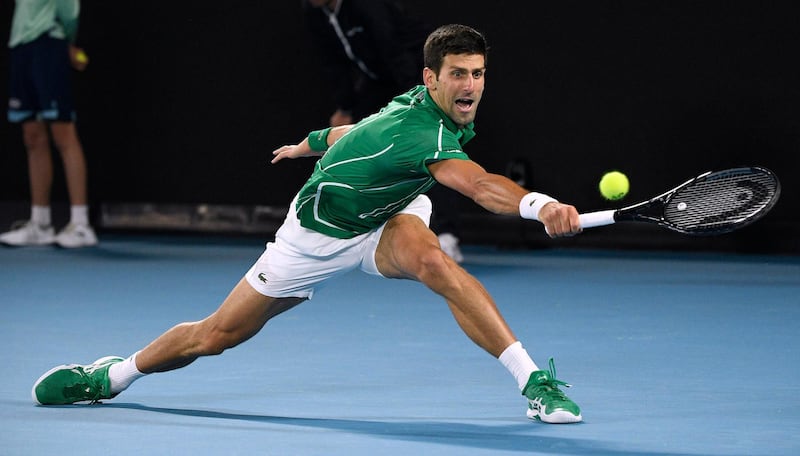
214, 341
434, 264
35, 139
213, 347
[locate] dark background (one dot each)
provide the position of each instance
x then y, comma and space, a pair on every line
184, 101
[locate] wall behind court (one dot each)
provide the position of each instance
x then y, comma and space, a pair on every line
183, 103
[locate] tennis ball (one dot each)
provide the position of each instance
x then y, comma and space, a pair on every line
81, 57
614, 185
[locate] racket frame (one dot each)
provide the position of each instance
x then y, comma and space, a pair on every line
652, 210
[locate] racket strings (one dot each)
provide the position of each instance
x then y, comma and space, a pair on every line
722, 202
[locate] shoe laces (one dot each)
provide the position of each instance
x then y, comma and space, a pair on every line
89, 388
556, 382
550, 387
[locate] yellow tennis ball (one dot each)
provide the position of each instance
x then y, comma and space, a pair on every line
81, 57
614, 185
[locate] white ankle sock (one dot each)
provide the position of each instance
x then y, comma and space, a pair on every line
122, 374
79, 215
40, 215
516, 359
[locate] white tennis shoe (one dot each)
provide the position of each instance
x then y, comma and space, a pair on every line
73, 236
24, 233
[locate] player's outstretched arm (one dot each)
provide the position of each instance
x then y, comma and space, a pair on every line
304, 149
501, 195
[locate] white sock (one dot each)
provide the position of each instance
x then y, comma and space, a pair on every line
121, 375
79, 215
40, 215
516, 359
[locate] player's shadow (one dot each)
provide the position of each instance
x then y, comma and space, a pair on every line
514, 437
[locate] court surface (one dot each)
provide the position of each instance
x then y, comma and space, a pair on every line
668, 354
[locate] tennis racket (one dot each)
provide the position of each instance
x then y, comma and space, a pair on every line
711, 203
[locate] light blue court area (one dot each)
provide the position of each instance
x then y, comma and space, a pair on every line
669, 354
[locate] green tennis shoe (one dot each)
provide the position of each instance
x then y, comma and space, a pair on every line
546, 402
71, 383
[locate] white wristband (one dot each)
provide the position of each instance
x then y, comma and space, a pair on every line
532, 203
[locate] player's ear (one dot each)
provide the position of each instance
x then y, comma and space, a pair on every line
429, 77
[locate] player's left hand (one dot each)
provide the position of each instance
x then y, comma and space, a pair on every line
560, 220
294, 151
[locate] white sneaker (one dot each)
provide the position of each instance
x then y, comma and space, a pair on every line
28, 233
73, 236
449, 244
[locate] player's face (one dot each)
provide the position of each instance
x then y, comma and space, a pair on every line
458, 87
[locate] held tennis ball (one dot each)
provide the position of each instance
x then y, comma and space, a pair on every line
614, 185
81, 57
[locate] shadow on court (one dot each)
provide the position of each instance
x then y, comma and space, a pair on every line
499, 437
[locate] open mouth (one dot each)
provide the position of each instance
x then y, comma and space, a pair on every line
464, 104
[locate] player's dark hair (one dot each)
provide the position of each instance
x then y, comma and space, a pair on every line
452, 39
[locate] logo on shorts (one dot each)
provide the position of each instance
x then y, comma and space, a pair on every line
14, 103
262, 277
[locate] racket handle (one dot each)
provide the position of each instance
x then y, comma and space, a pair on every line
599, 218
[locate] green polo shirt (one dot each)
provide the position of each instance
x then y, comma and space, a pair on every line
34, 18
379, 166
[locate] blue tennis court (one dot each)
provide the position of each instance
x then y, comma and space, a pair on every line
669, 354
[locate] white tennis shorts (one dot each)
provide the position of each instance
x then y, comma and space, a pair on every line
300, 261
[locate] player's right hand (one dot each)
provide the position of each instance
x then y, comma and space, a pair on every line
560, 220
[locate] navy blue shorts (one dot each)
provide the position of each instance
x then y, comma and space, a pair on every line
40, 82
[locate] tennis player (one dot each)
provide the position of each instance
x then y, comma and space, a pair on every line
363, 207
